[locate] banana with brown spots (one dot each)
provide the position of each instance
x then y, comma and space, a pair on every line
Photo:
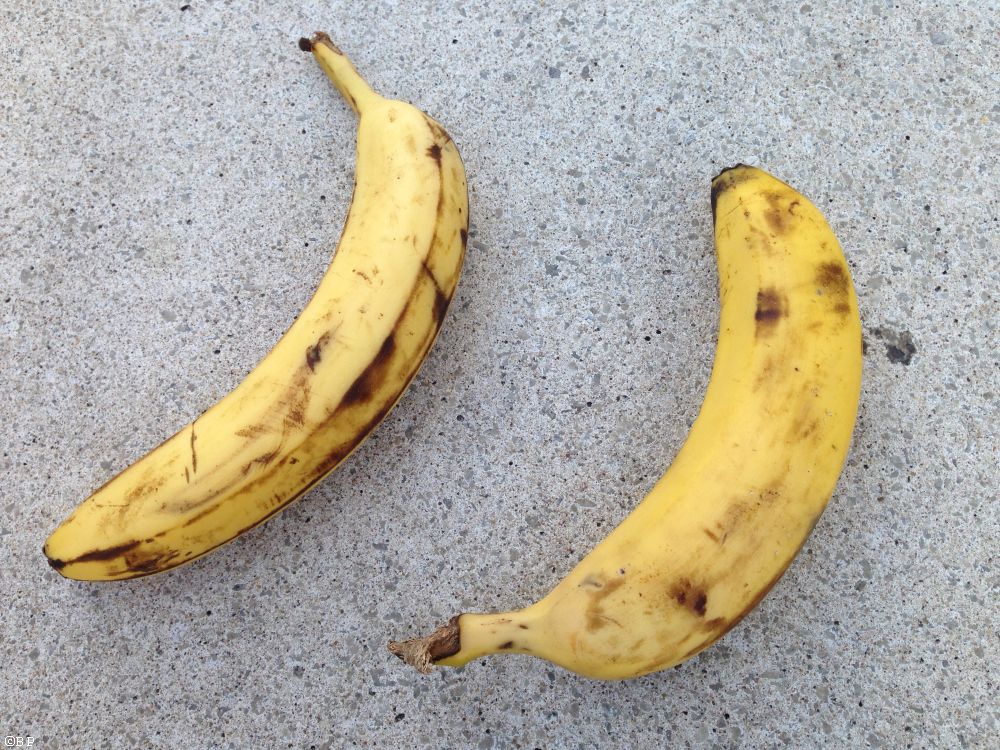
328, 381
722, 525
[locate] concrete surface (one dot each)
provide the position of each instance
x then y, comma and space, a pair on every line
173, 183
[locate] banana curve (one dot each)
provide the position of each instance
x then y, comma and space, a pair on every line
286, 430
718, 530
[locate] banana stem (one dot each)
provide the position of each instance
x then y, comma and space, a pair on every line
421, 653
470, 636
339, 69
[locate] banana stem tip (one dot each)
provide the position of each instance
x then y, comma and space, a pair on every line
306, 44
421, 653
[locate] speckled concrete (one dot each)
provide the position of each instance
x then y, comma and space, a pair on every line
173, 183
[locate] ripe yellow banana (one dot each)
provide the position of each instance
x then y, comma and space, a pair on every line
328, 381
762, 458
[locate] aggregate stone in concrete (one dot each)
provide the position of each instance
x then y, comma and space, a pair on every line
174, 178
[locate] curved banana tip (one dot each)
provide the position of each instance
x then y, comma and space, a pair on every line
732, 176
733, 168
54, 562
340, 71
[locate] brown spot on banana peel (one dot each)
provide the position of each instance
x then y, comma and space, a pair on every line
97, 555
716, 623
434, 151
439, 133
143, 490
366, 383
314, 352
832, 278
149, 561
596, 619
194, 454
688, 595
726, 627
251, 432
832, 281
777, 214
772, 306
441, 300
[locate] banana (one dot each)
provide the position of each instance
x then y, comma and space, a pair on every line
761, 460
329, 380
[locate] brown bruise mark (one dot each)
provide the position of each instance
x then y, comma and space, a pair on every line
506, 645
596, 619
688, 595
197, 517
266, 458
716, 623
809, 429
149, 561
143, 490
832, 278
313, 353
434, 151
194, 454
441, 303
294, 402
765, 241
833, 281
438, 132
772, 306
367, 382
699, 603
363, 275
712, 535
430, 275
774, 215
465, 238
777, 214
97, 555
771, 492
725, 627
296, 413
767, 373
523, 626
263, 460
253, 431
187, 475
